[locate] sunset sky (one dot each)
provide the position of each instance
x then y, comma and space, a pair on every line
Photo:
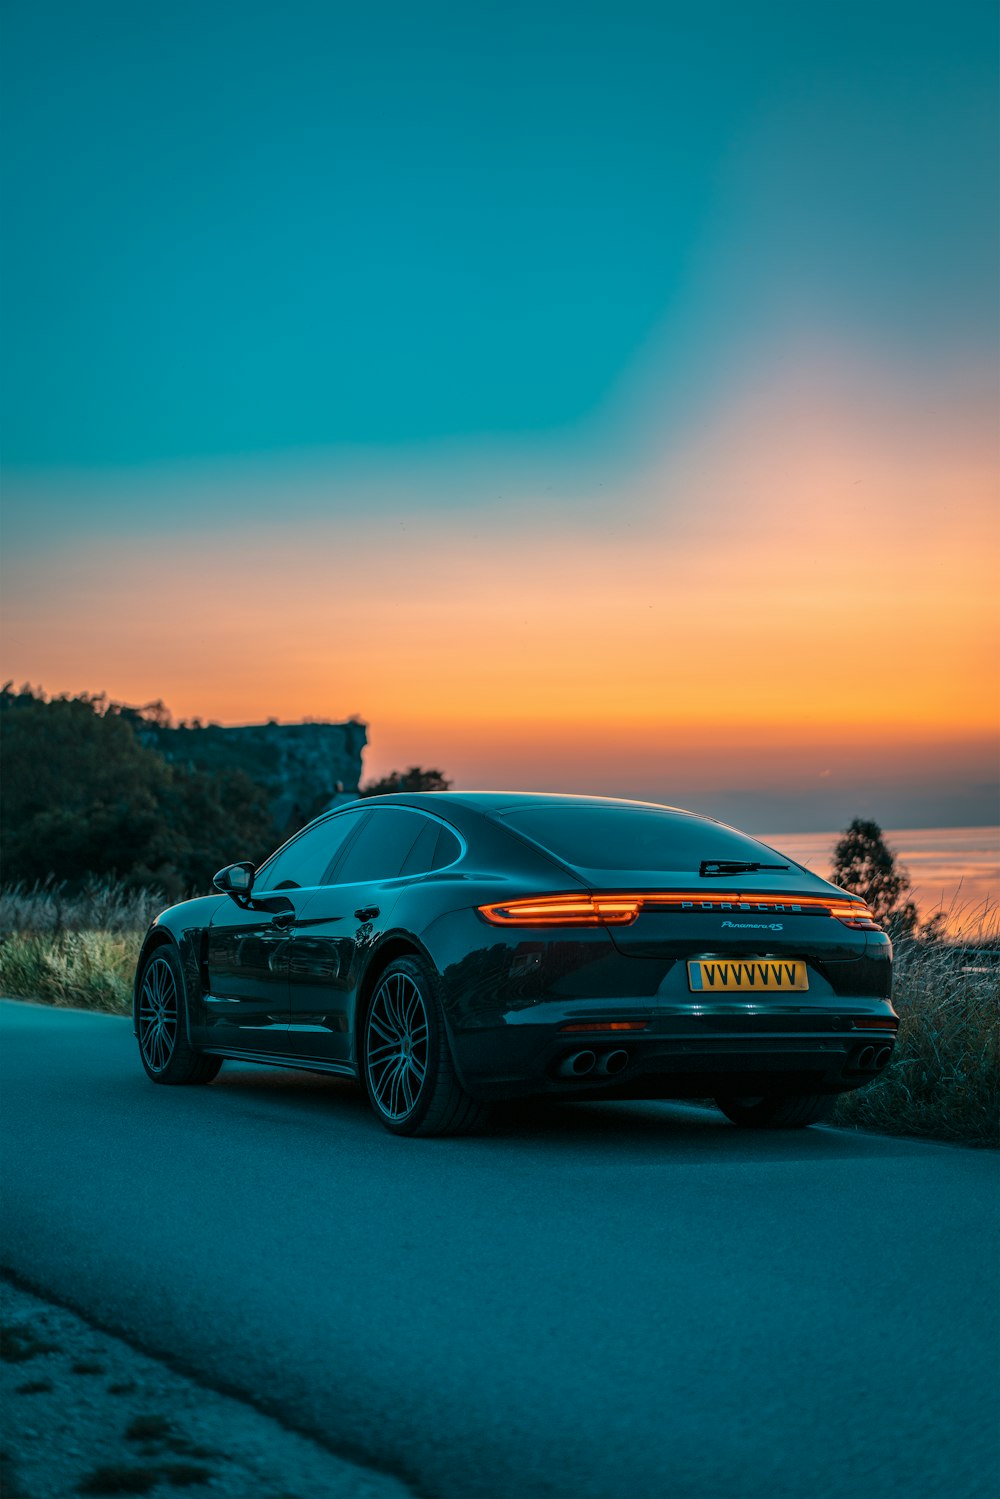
600, 397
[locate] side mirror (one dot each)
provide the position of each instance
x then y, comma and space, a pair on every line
236, 880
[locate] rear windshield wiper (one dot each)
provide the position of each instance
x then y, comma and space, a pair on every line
734, 866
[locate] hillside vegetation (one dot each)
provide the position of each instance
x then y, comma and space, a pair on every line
84, 796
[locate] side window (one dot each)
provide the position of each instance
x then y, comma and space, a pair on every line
421, 855
447, 850
382, 847
304, 861
435, 848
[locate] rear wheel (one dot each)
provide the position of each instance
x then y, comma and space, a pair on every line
776, 1110
163, 1045
406, 1060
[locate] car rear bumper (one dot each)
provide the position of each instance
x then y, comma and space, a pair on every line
681, 1051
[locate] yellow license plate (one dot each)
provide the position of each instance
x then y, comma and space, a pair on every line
770, 976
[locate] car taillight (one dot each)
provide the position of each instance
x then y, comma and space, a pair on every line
854, 913
565, 910
619, 910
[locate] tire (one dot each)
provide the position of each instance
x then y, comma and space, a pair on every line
776, 1110
164, 1049
406, 1062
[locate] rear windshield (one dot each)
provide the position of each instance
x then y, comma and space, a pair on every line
634, 838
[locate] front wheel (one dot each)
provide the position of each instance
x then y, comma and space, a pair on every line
163, 1045
776, 1110
406, 1060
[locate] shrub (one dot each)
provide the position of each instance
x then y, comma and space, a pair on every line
944, 1079
84, 794
87, 970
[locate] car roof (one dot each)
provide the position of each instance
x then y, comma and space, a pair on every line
507, 801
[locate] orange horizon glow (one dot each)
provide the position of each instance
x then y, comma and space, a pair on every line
806, 572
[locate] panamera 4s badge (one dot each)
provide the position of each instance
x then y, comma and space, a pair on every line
758, 926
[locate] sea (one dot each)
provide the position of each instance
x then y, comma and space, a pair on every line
953, 870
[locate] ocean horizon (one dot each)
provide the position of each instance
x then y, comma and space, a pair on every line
954, 870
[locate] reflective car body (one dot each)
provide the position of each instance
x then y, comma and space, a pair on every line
540, 960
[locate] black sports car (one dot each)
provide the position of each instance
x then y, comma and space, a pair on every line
450, 949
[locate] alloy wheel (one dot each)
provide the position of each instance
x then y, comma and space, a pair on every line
158, 1015
397, 1050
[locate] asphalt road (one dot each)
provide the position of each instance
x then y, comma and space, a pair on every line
631, 1299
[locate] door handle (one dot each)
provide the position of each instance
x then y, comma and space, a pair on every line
283, 919
366, 913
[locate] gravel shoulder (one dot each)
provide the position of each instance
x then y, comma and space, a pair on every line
85, 1413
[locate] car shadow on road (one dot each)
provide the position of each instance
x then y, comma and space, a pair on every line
671, 1129
628, 1131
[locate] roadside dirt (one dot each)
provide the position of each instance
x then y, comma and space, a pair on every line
84, 1413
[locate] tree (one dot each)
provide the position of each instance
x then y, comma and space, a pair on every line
84, 796
865, 864
414, 779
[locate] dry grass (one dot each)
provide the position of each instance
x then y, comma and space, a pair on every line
944, 1080
73, 948
83, 970
100, 906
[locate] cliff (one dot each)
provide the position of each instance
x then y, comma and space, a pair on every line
302, 766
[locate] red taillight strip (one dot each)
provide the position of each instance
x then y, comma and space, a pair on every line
608, 1025
620, 909
565, 910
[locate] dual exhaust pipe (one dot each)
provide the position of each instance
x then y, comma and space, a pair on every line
581, 1063
869, 1059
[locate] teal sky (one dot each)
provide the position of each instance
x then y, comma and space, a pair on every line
235, 230
600, 396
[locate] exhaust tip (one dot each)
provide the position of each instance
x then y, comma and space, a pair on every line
578, 1064
866, 1058
613, 1062
882, 1057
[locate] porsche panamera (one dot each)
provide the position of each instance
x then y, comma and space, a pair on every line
452, 949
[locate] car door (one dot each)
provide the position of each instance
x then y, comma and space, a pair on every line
342, 922
248, 945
